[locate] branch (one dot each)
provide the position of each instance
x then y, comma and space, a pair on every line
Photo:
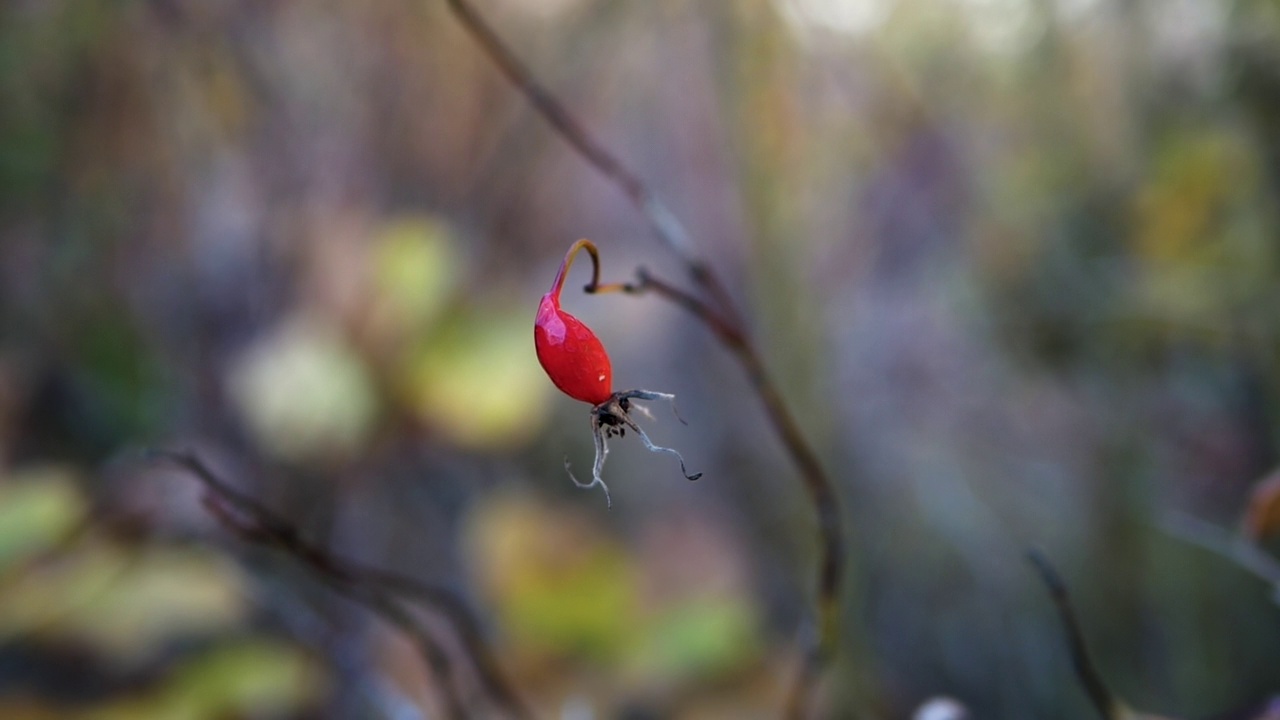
664, 223
720, 316
1235, 548
821, 491
1103, 700
379, 590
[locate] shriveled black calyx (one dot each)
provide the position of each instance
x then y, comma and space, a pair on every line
612, 418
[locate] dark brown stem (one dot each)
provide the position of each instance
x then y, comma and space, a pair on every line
1099, 694
720, 316
817, 484
393, 612
565, 265
379, 590
664, 224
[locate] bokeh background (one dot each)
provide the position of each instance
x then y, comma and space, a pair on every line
1013, 262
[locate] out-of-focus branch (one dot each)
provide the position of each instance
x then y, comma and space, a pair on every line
381, 591
1099, 694
726, 331
821, 491
1235, 548
720, 316
665, 224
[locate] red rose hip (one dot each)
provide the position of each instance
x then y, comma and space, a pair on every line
577, 363
572, 355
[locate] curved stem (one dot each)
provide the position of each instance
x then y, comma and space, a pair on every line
583, 244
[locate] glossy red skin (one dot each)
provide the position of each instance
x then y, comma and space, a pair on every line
572, 355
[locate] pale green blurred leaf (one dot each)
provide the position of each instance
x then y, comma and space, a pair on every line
702, 637
37, 508
304, 392
416, 268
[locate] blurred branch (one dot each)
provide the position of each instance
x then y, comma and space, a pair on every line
667, 227
1240, 551
727, 331
1103, 700
720, 316
379, 590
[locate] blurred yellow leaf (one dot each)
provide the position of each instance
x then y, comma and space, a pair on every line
479, 381
37, 508
1200, 253
1195, 174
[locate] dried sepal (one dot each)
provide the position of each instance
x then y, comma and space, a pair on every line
576, 361
613, 417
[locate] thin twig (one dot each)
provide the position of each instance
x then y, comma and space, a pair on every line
1104, 701
720, 316
665, 224
821, 491
382, 603
379, 590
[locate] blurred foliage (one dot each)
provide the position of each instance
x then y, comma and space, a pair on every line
303, 393
78, 592
563, 588
1014, 263
237, 678
416, 270
125, 605
38, 508
256, 678
1203, 253
477, 379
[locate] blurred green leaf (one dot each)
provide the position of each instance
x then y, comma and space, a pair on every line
560, 585
124, 602
565, 588
247, 678
478, 379
37, 508
701, 637
589, 608
416, 268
